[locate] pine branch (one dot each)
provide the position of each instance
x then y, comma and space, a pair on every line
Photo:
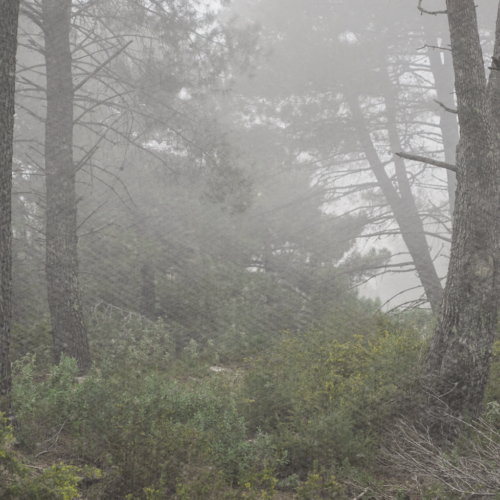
429, 161
446, 108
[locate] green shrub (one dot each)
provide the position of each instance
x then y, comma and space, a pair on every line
35, 339
44, 407
324, 398
134, 342
58, 482
148, 427
319, 486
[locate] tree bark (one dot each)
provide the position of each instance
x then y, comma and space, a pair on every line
68, 327
9, 14
460, 352
403, 206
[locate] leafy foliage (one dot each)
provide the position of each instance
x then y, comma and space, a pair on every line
314, 400
326, 396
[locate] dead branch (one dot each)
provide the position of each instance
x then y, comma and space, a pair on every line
36, 87
446, 108
34, 115
106, 62
362, 494
87, 155
91, 214
55, 438
433, 47
475, 472
92, 231
429, 161
32, 14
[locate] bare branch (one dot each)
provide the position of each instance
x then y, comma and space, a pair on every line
32, 14
433, 47
84, 8
34, 115
446, 108
429, 161
37, 87
107, 61
92, 231
362, 494
85, 158
91, 214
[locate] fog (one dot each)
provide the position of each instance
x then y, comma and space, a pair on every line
227, 174
225, 134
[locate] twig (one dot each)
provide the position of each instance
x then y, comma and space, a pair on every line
433, 47
83, 161
446, 108
362, 494
56, 437
92, 231
429, 161
43, 453
34, 467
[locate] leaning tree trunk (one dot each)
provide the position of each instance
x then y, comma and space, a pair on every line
9, 12
68, 328
459, 357
403, 207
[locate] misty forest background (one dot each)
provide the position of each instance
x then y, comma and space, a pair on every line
257, 270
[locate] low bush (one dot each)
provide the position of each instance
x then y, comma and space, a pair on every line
325, 398
58, 482
152, 430
159, 424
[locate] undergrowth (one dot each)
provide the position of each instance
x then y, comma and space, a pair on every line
152, 422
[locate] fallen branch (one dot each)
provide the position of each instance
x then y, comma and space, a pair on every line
361, 495
429, 161
43, 453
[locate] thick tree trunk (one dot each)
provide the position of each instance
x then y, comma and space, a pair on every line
459, 357
9, 13
404, 209
68, 328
